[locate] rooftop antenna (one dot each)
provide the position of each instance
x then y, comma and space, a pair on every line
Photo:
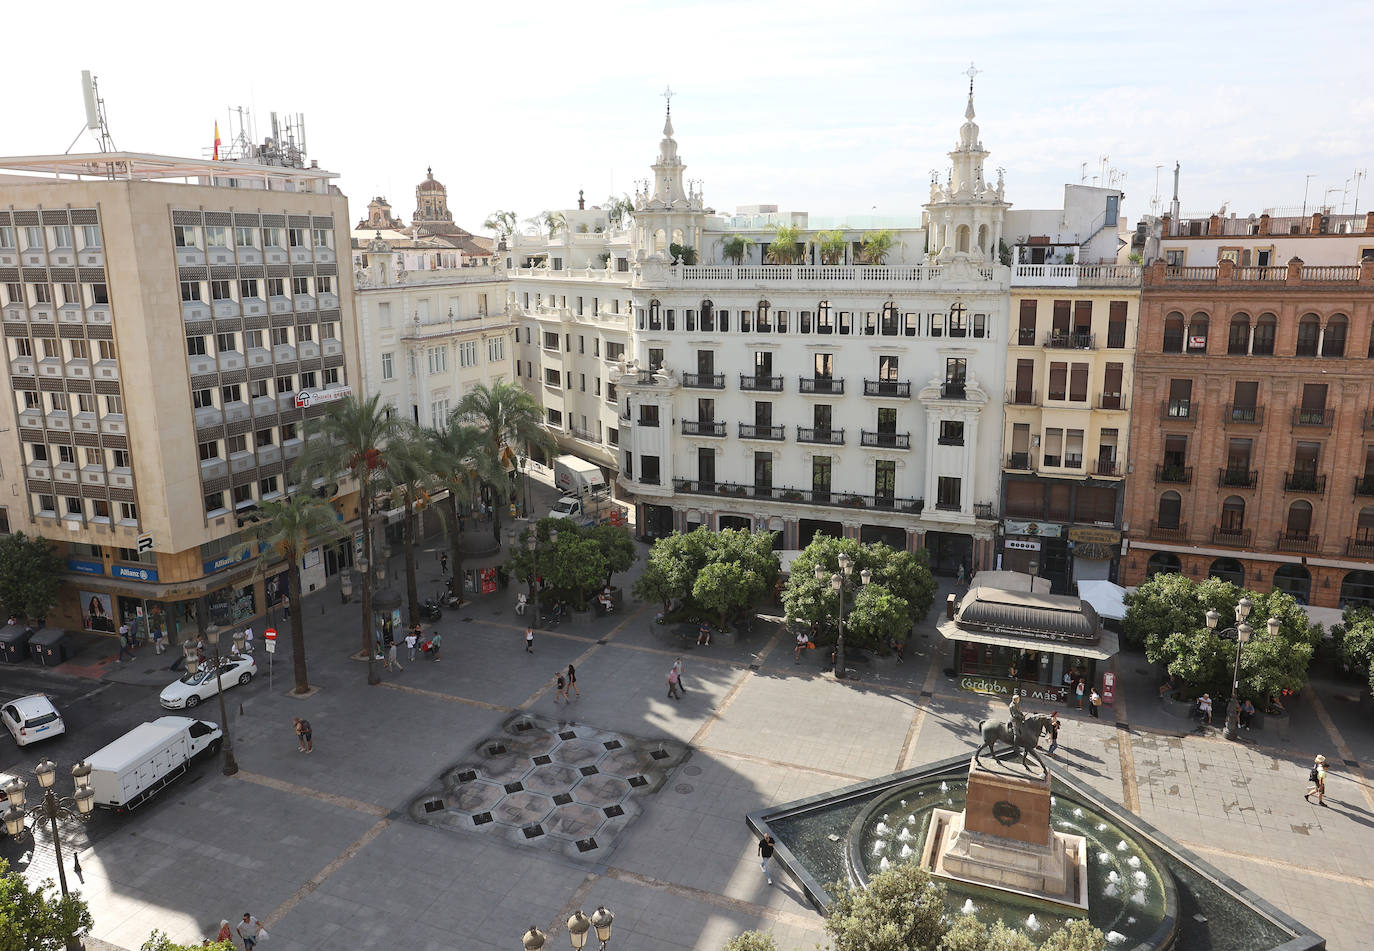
1359, 175
1304, 192
1082, 173
96, 120
1154, 201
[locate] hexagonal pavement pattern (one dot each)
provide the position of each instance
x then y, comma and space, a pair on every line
549, 784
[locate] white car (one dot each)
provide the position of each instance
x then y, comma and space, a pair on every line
32, 718
202, 685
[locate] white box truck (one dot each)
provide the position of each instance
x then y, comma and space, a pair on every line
574, 476
133, 768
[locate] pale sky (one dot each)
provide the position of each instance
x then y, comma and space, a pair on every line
827, 107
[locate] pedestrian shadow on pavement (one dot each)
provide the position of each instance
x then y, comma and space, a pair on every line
1354, 813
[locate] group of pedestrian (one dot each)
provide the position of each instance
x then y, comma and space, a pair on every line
567, 685
1076, 690
676, 688
249, 929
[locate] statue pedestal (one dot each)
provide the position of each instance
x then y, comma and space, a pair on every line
1003, 839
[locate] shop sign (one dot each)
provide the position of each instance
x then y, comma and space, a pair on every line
86, 567
308, 398
1099, 536
1092, 551
1000, 686
225, 560
1034, 529
135, 574
1020, 544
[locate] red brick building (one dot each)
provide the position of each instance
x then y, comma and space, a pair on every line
1253, 410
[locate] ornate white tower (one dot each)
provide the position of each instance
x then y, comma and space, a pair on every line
673, 212
966, 213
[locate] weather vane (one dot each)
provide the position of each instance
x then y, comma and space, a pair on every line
668, 97
970, 73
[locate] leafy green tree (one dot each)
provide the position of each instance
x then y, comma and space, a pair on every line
876, 246
735, 247
503, 223
350, 438
902, 909
899, 580
878, 614
831, 246
677, 560
573, 567
751, 941
726, 589
38, 918
617, 545
157, 941
284, 529
970, 934
1354, 639
30, 575
655, 584
786, 247
1077, 935
409, 474
512, 423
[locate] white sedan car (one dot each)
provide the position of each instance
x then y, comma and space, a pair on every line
32, 718
202, 685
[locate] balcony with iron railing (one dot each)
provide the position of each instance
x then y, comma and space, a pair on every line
585, 435
983, 510
956, 390
755, 431
1112, 401
756, 383
779, 493
1175, 475
1237, 478
1244, 415
1303, 481
703, 381
1018, 397
887, 388
1070, 340
1020, 462
829, 437
1321, 417
1107, 469
1177, 411
1304, 542
703, 427
1025, 337
1177, 533
1359, 547
1364, 485
885, 440
1234, 537
820, 384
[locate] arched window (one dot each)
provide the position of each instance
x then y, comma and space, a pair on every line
983, 240
891, 322
1173, 333
655, 321
765, 315
1357, 590
1232, 528
961, 238
1228, 569
1299, 521
1265, 330
1294, 580
1238, 341
825, 320
1364, 525
1197, 333
1333, 341
1163, 563
708, 315
1170, 507
1309, 332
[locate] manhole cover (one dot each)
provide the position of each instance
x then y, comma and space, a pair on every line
562, 799
481, 819
586, 845
637, 781
534, 831
692, 770
568, 735
467, 775
514, 787
683, 788
434, 805
589, 771
613, 811
543, 760
612, 744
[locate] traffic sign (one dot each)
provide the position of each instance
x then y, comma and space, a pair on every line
269, 638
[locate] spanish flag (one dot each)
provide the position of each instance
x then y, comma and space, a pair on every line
217, 140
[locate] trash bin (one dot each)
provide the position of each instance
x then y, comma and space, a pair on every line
50, 647
14, 643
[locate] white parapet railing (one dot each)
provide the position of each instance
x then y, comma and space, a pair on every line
818, 273
1075, 275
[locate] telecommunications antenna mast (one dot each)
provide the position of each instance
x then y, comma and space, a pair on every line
96, 120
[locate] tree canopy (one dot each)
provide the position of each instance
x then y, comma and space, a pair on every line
157, 941
1354, 638
30, 575
579, 563
746, 570
38, 919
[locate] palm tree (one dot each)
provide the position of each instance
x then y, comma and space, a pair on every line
552, 222
350, 438
735, 247
284, 528
876, 246
510, 421
618, 209
409, 471
502, 222
460, 464
786, 247
831, 245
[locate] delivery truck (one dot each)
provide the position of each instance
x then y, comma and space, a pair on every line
574, 476
590, 509
131, 770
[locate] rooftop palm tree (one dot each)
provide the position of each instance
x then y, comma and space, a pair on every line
350, 439
285, 528
786, 247
511, 421
735, 247
503, 223
876, 246
409, 473
552, 222
618, 210
831, 245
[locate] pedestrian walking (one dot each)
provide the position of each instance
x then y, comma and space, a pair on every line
158, 646
572, 683
529, 640
562, 688
1317, 777
679, 666
1204, 708
250, 930
391, 661
225, 933
305, 738
1054, 733
435, 643
443, 563
1094, 702
959, 575
673, 693
126, 644
1078, 686
411, 641
248, 640
766, 845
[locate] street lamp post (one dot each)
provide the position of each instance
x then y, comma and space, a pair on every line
837, 583
193, 663
579, 926
1242, 633
532, 543
52, 807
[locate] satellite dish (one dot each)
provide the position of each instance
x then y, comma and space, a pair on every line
88, 95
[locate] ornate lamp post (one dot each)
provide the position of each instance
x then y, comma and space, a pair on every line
193, 663
579, 925
838, 582
1242, 632
51, 807
532, 543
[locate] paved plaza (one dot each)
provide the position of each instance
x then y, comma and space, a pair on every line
335, 849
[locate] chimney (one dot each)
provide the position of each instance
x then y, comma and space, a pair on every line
1214, 225
581, 202
1264, 224
1369, 222
949, 608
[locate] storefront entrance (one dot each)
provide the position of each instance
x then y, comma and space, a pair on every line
809, 528
1034, 674
948, 551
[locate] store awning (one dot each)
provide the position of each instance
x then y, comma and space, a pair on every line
1107, 598
1105, 649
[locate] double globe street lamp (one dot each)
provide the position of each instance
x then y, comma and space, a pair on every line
579, 925
51, 807
1242, 632
838, 582
532, 543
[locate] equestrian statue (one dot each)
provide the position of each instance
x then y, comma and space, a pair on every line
1019, 731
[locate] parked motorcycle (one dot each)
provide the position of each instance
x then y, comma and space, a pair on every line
430, 610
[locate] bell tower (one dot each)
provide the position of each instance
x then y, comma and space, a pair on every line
966, 213
670, 211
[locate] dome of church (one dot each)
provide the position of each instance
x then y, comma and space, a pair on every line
429, 184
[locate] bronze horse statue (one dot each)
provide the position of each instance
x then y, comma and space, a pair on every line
1028, 737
